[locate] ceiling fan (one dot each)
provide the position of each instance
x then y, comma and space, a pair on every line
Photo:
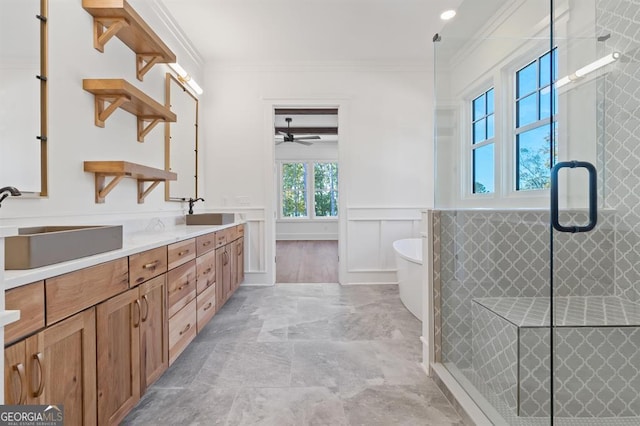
289, 137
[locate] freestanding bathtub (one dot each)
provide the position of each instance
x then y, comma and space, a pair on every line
408, 254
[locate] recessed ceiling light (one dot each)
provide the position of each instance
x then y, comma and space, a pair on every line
447, 14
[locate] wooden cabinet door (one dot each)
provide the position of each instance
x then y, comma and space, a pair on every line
240, 263
220, 256
118, 343
223, 276
233, 268
16, 387
61, 367
154, 331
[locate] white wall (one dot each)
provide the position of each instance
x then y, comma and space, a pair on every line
73, 138
385, 153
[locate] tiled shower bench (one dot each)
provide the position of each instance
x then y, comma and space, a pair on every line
597, 342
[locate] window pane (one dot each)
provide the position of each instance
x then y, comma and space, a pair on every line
483, 170
545, 70
526, 80
294, 190
479, 109
534, 162
527, 110
490, 102
326, 189
545, 99
555, 64
490, 126
480, 131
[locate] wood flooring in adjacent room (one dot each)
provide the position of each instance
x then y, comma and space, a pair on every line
306, 261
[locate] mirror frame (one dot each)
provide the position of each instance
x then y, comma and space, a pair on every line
44, 97
43, 17
167, 137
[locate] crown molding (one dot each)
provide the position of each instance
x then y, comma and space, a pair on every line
170, 23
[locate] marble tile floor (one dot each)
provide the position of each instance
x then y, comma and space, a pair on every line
301, 354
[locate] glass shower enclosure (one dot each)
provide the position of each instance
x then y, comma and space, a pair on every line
536, 227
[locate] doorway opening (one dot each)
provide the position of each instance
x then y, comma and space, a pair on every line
307, 198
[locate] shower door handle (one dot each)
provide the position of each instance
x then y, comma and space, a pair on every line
593, 196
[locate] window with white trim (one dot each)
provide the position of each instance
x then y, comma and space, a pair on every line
483, 143
309, 189
534, 153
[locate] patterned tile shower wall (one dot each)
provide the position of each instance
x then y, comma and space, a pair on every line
620, 110
506, 254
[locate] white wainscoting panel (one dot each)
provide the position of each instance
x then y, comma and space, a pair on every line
371, 232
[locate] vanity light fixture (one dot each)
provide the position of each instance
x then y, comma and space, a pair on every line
447, 14
587, 69
185, 78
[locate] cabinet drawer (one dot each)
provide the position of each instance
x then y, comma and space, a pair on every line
146, 265
29, 300
221, 238
205, 243
78, 290
181, 252
240, 231
181, 284
206, 303
206, 270
182, 330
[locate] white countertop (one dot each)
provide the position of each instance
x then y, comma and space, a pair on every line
8, 231
131, 244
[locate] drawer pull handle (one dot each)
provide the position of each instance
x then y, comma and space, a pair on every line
206, 243
183, 286
185, 329
207, 271
19, 368
209, 305
183, 252
38, 358
151, 265
145, 299
136, 324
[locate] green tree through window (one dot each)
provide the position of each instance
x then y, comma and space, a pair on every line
306, 185
294, 190
326, 189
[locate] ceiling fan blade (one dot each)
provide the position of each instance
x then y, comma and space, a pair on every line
298, 138
283, 134
279, 142
303, 142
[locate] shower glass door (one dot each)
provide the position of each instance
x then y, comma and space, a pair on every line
536, 227
595, 215
495, 132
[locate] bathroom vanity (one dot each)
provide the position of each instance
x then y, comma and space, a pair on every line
96, 332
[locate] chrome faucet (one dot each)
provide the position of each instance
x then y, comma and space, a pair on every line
6, 191
192, 201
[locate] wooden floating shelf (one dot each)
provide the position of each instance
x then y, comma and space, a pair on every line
119, 93
122, 169
118, 18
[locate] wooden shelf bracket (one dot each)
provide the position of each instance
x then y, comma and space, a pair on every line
104, 29
103, 190
102, 113
143, 130
144, 62
142, 193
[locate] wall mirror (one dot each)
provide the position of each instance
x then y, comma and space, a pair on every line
181, 141
23, 90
